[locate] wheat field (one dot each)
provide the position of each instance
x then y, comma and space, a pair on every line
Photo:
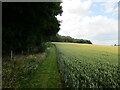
87, 65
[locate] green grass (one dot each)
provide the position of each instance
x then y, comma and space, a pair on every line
32, 71
88, 66
80, 66
47, 74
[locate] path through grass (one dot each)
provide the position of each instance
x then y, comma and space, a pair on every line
47, 75
32, 71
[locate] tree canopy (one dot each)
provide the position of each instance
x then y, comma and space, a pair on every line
27, 25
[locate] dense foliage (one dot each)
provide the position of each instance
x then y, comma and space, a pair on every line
88, 66
27, 26
60, 38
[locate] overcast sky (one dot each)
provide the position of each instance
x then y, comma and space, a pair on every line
95, 20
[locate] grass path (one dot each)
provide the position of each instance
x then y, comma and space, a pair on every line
46, 76
32, 71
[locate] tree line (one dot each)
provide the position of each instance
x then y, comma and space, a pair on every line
60, 38
28, 25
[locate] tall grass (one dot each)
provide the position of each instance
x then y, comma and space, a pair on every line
32, 71
18, 72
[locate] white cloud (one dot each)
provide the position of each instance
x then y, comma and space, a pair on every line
76, 7
111, 6
92, 28
76, 23
105, 0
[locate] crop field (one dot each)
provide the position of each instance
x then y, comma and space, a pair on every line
88, 66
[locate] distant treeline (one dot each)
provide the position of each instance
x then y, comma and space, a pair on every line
116, 45
60, 38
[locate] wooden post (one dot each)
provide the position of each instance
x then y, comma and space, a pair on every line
22, 52
11, 54
28, 50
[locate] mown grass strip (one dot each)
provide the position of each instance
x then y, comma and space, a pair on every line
47, 75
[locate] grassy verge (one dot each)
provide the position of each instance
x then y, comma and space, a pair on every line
33, 71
